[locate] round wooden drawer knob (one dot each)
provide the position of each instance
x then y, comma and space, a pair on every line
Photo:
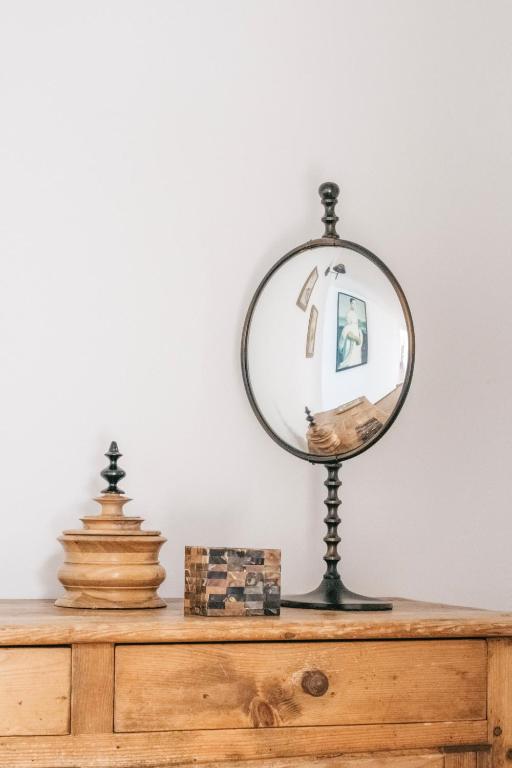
315, 682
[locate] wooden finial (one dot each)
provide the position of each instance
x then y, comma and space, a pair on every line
113, 474
329, 192
111, 562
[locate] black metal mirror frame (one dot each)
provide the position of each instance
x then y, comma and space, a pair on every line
322, 243
331, 594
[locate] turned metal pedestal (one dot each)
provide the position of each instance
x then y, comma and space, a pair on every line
332, 594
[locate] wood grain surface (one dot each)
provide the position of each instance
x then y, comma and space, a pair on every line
244, 685
384, 760
327, 669
35, 688
500, 702
462, 760
39, 622
387, 760
92, 697
163, 750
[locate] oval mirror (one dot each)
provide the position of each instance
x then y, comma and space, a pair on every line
327, 360
328, 349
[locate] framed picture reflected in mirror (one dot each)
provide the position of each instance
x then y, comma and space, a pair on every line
352, 336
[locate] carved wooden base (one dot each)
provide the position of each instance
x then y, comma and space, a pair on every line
94, 600
111, 562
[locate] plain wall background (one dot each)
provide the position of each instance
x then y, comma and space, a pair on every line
156, 159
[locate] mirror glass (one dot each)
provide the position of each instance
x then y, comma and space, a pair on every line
328, 350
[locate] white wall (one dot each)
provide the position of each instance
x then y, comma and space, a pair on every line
156, 158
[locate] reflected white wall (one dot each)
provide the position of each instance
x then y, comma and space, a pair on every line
283, 379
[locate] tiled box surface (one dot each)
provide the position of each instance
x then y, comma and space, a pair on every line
223, 581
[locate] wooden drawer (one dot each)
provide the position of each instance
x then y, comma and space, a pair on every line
34, 691
244, 685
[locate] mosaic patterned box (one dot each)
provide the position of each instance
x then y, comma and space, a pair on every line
221, 581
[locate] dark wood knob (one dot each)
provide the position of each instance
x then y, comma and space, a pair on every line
315, 682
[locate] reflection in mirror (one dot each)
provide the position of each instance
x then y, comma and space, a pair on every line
328, 351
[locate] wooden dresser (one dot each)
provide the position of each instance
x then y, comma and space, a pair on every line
423, 686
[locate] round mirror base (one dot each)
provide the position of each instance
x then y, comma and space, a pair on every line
332, 595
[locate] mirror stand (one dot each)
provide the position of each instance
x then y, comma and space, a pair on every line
332, 594
328, 327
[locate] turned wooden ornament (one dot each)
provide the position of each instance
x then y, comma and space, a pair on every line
322, 439
111, 562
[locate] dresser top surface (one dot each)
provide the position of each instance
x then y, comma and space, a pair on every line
40, 622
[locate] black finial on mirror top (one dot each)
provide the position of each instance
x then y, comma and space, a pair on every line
309, 417
113, 474
329, 192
